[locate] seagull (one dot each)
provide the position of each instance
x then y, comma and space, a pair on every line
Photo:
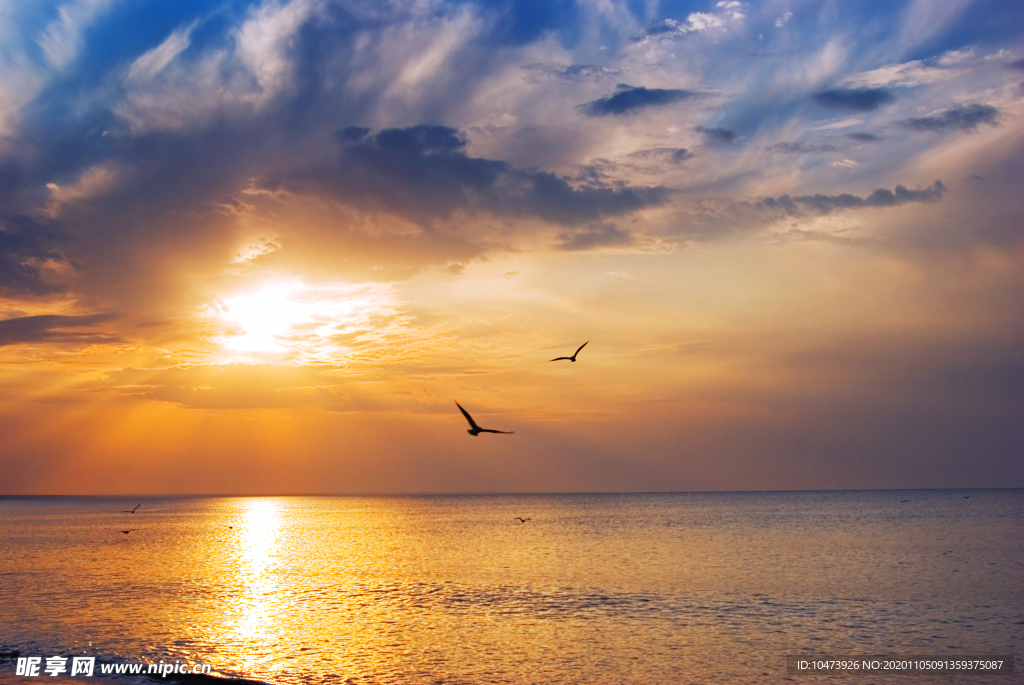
127, 531
967, 496
521, 519
477, 430
573, 357
131, 511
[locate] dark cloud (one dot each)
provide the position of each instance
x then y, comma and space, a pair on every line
717, 135
962, 117
668, 155
628, 100
1017, 66
796, 148
600, 235
27, 247
51, 328
854, 99
864, 137
659, 29
423, 173
826, 204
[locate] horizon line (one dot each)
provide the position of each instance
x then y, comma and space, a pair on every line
490, 494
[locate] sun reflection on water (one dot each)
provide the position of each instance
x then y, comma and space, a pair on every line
260, 530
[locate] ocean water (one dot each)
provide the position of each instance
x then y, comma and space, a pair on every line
596, 589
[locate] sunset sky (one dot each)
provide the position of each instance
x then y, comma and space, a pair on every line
261, 247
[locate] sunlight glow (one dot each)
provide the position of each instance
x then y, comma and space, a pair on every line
291, 321
266, 316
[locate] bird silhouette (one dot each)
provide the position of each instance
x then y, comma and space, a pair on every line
127, 531
904, 500
967, 496
476, 430
521, 519
573, 357
131, 511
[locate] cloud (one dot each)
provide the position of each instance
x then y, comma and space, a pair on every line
667, 155
601, 235
148, 66
572, 72
248, 70
232, 386
854, 99
796, 148
64, 36
629, 100
826, 204
52, 328
906, 75
28, 252
423, 173
864, 137
962, 117
95, 181
696, 22
1017, 65
717, 135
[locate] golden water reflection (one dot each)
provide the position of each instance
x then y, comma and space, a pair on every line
258, 540
597, 590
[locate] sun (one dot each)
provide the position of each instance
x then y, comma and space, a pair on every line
290, 321
267, 317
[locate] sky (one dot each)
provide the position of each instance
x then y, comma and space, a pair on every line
263, 247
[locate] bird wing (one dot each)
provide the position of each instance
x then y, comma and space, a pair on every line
558, 359
580, 348
488, 430
136, 507
469, 418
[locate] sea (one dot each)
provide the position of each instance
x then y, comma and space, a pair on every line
595, 589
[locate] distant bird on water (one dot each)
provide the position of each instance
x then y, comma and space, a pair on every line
127, 531
477, 430
573, 357
131, 511
521, 519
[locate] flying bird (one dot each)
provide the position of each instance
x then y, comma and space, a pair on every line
967, 496
131, 511
127, 531
477, 430
573, 357
521, 519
